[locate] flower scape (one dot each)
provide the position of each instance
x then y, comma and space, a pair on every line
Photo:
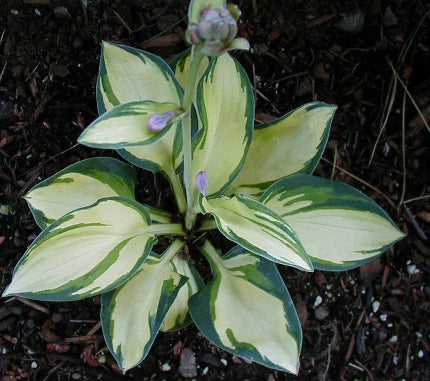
193, 121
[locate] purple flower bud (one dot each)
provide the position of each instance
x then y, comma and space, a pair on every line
202, 180
216, 29
159, 122
192, 35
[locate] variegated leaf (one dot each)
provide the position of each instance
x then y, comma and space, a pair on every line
339, 226
196, 7
247, 310
178, 316
287, 146
128, 74
257, 228
79, 185
126, 125
88, 251
226, 109
133, 313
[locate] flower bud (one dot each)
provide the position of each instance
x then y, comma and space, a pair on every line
202, 180
158, 122
216, 30
192, 35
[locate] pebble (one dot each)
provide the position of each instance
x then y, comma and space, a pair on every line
375, 306
420, 354
394, 339
412, 269
33, 365
383, 317
205, 371
318, 301
76, 376
321, 313
224, 361
395, 360
166, 367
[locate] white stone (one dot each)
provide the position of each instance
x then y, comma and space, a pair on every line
375, 306
165, 367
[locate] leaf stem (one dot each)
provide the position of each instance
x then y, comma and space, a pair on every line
172, 250
165, 229
190, 216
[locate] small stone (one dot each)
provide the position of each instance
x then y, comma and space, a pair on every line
321, 313
318, 301
187, 366
205, 371
411, 269
396, 360
375, 306
420, 354
352, 23
224, 361
383, 317
394, 339
62, 12
33, 365
76, 376
236, 360
166, 367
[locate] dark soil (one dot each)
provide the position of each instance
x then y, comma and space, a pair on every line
372, 323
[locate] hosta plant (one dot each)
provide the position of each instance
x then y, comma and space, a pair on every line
193, 121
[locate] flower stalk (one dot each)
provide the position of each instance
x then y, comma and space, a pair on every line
190, 216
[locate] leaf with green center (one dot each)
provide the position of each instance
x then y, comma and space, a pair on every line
133, 313
128, 74
257, 228
339, 226
128, 124
80, 185
247, 310
290, 145
178, 316
226, 109
196, 7
88, 251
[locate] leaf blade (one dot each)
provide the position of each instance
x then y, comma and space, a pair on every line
80, 184
86, 252
339, 226
225, 103
258, 229
128, 308
287, 146
126, 125
178, 316
248, 288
